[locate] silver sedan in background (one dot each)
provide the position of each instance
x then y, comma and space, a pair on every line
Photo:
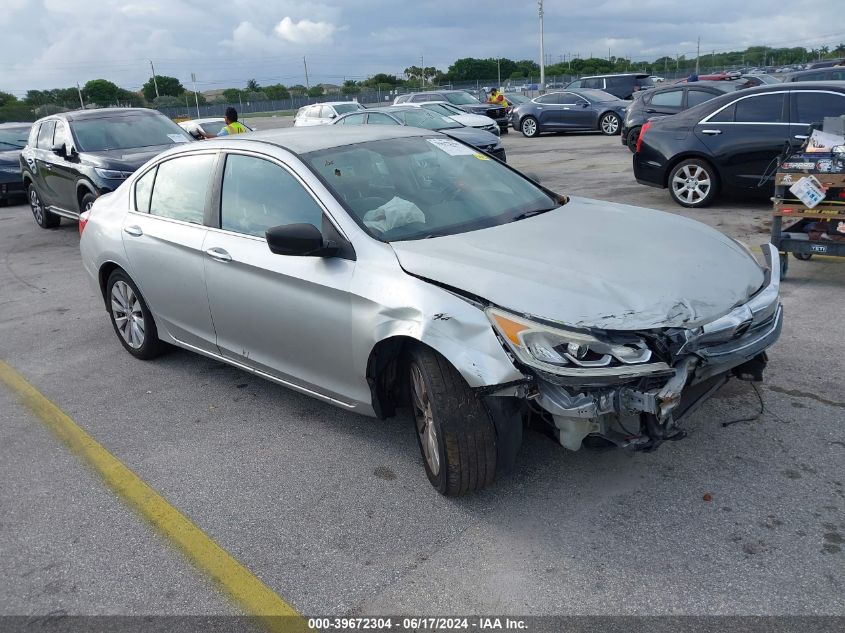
378, 267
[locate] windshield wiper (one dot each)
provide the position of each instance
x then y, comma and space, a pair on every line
530, 214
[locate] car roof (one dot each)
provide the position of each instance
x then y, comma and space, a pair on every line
301, 140
101, 113
814, 71
615, 75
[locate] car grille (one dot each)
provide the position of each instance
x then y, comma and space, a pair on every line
496, 113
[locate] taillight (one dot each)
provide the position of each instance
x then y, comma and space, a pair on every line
83, 220
642, 134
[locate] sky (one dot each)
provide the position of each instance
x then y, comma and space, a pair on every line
56, 43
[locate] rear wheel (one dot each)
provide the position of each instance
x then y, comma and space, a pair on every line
132, 321
456, 436
529, 127
43, 218
632, 138
803, 256
609, 124
693, 183
86, 202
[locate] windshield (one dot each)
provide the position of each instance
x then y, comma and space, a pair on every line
127, 132
419, 117
413, 188
514, 98
597, 96
461, 98
343, 108
14, 137
441, 108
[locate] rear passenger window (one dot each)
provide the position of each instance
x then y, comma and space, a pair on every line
725, 116
695, 97
575, 84
760, 109
45, 135
144, 190
670, 98
813, 107
593, 83
181, 187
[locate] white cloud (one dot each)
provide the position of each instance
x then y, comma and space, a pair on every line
305, 31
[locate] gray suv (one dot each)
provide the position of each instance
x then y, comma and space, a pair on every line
623, 85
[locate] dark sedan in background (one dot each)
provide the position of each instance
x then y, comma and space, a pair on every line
732, 142
570, 111
413, 116
668, 100
12, 140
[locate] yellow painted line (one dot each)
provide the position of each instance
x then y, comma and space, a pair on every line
253, 596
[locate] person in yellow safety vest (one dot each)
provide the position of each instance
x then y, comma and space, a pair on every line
232, 126
497, 98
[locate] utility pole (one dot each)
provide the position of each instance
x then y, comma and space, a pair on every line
196, 97
155, 83
79, 90
499, 72
422, 70
542, 48
697, 54
305, 63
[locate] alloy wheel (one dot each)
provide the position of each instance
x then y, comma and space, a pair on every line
609, 124
426, 429
691, 184
529, 127
127, 314
37, 207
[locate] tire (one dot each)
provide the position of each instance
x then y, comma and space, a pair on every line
529, 127
610, 124
632, 138
43, 218
86, 202
804, 257
455, 434
504, 130
693, 183
123, 298
784, 265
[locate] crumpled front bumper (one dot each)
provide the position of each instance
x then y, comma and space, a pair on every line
644, 410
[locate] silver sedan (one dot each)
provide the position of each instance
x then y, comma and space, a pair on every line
382, 267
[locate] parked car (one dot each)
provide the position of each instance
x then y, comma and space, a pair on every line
731, 142
211, 125
462, 99
570, 111
827, 63
381, 267
13, 138
426, 119
831, 73
72, 158
668, 100
514, 98
623, 85
478, 121
324, 113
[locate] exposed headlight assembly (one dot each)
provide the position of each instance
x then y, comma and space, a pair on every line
112, 174
570, 353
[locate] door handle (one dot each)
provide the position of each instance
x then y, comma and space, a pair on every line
133, 230
711, 132
218, 254
801, 137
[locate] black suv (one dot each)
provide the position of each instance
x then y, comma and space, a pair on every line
463, 100
623, 85
12, 140
73, 157
831, 73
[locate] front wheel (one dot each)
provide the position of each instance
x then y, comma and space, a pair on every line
87, 202
131, 318
609, 124
529, 127
693, 183
804, 257
43, 218
456, 436
632, 138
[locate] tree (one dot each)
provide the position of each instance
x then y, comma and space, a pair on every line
315, 91
350, 87
252, 86
232, 95
7, 99
167, 86
276, 92
102, 92
297, 89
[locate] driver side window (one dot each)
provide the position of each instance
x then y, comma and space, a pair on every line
258, 195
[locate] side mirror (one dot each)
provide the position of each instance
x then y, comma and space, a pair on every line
584, 104
303, 240
332, 115
59, 149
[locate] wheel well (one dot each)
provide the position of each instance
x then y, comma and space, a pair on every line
684, 157
82, 189
385, 374
27, 181
105, 271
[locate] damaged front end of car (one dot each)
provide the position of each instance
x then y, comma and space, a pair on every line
633, 388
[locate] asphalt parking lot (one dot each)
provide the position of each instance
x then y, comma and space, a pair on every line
333, 511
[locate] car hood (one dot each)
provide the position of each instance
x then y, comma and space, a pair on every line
123, 159
473, 136
473, 120
595, 264
12, 156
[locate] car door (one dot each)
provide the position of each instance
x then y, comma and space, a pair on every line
61, 177
286, 316
44, 159
664, 103
548, 111
163, 235
809, 106
745, 137
575, 112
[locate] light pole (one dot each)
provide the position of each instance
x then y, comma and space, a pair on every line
155, 83
542, 48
